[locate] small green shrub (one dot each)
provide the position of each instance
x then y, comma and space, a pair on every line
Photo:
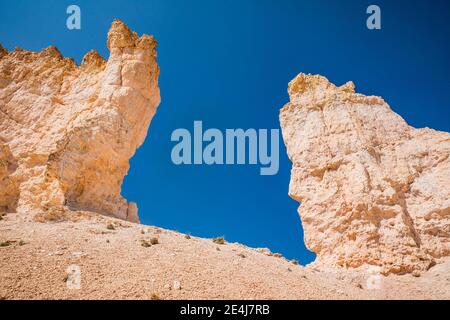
219, 240
5, 243
154, 296
145, 243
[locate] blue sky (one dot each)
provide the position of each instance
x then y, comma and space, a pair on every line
228, 64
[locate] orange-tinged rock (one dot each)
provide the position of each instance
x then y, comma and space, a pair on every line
72, 130
373, 190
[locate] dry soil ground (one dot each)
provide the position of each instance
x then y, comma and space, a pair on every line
117, 260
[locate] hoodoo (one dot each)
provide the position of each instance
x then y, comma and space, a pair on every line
373, 190
67, 132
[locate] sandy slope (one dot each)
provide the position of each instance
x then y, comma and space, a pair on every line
115, 265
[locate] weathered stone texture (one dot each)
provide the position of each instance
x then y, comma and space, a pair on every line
70, 130
373, 190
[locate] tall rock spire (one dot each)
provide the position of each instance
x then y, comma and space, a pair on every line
72, 130
373, 190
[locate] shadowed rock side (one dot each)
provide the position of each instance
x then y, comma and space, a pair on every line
373, 190
68, 132
8, 188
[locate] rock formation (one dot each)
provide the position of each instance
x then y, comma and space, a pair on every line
8, 187
67, 132
373, 190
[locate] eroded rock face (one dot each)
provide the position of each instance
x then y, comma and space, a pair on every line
69, 131
373, 190
9, 192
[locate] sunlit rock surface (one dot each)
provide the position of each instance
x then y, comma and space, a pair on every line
67, 132
373, 190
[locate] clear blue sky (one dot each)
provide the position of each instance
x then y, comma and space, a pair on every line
228, 63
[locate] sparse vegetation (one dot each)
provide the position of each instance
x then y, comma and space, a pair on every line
110, 226
5, 243
145, 243
277, 255
148, 243
294, 261
289, 269
154, 296
219, 240
187, 236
